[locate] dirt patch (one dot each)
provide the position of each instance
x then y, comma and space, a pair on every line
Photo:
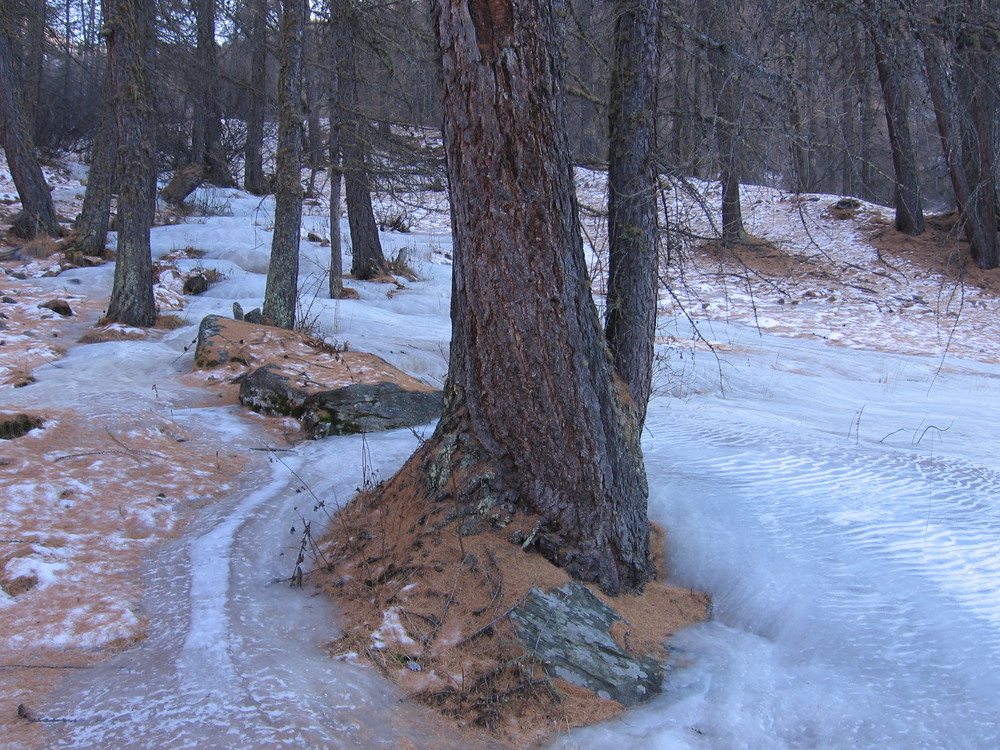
941, 250
429, 607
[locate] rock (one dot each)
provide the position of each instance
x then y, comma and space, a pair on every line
569, 630
237, 311
15, 425
330, 390
214, 348
184, 182
255, 316
59, 306
196, 284
352, 409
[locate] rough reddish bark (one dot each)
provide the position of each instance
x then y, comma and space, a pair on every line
129, 23
534, 420
632, 226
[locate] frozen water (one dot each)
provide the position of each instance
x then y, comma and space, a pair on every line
841, 506
853, 569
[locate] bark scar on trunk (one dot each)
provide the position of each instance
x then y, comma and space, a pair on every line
494, 24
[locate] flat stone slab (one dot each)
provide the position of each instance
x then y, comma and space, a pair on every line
569, 630
330, 392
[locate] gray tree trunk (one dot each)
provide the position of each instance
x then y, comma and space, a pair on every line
955, 106
130, 36
908, 202
632, 225
728, 103
18, 140
367, 259
91, 226
253, 167
534, 421
281, 294
207, 148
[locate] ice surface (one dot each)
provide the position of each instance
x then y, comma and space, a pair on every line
841, 506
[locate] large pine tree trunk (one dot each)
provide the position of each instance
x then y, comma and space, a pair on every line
909, 204
281, 293
632, 225
129, 43
18, 140
534, 421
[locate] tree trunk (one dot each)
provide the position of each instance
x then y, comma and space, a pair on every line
91, 226
18, 142
367, 259
281, 294
632, 226
253, 167
975, 72
207, 149
952, 113
130, 35
727, 133
534, 421
336, 41
909, 205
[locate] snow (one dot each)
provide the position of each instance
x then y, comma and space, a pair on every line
826, 471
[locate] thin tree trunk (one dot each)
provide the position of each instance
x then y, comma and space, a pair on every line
336, 41
18, 142
534, 421
91, 226
130, 37
281, 294
632, 226
949, 110
253, 167
909, 205
207, 149
367, 259
727, 133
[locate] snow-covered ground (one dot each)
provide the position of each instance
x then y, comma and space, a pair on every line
826, 470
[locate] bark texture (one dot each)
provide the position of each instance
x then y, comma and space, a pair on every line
725, 83
206, 138
281, 293
965, 96
253, 166
91, 225
18, 139
367, 258
129, 24
908, 202
632, 225
535, 420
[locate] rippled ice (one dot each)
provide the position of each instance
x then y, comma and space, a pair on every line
851, 552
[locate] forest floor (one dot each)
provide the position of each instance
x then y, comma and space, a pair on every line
85, 507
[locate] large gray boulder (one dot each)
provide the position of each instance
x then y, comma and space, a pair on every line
569, 630
351, 409
332, 391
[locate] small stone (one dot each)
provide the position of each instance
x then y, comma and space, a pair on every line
59, 306
196, 284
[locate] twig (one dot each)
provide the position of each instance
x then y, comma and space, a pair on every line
496, 619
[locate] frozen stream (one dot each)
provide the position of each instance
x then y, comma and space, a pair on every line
842, 508
852, 560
